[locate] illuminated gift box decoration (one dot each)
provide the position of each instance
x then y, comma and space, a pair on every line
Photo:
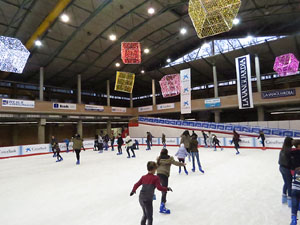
124, 82
286, 65
211, 17
13, 55
131, 52
170, 85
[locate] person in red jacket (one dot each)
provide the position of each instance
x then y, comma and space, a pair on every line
149, 183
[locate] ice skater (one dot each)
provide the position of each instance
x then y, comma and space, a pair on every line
205, 139
77, 145
216, 143
235, 140
120, 142
112, 141
67, 142
148, 141
195, 153
295, 195
129, 146
105, 142
100, 144
262, 138
285, 165
181, 155
186, 139
163, 140
57, 151
164, 162
96, 143
149, 182
53, 144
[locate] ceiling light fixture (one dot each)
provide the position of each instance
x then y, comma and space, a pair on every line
118, 64
236, 21
151, 10
146, 50
168, 60
183, 31
65, 18
143, 71
112, 37
38, 43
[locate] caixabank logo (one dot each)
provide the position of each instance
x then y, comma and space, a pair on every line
4, 102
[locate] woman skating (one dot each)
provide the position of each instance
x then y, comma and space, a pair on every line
195, 153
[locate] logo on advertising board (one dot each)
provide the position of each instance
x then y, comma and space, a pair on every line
34, 149
119, 109
9, 151
18, 103
278, 93
166, 106
145, 108
212, 103
67, 106
96, 108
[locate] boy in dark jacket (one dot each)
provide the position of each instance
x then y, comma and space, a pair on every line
149, 182
120, 142
57, 151
216, 143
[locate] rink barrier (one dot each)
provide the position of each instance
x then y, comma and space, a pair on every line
250, 131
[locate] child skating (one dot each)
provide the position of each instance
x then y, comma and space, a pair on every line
129, 146
149, 182
216, 142
181, 155
164, 162
235, 140
57, 151
120, 142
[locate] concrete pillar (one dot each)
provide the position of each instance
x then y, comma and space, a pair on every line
79, 89
153, 92
215, 76
79, 128
131, 101
217, 116
41, 84
41, 131
181, 116
15, 91
108, 128
257, 71
261, 113
15, 135
108, 92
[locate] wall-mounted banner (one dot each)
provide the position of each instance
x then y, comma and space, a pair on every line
145, 108
244, 85
278, 93
68, 106
97, 108
35, 149
165, 106
212, 103
17, 103
118, 109
185, 95
9, 151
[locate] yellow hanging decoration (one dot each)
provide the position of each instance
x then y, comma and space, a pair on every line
124, 82
211, 17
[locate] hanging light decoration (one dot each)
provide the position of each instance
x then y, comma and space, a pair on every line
286, 65
211, 17
13, 55
124, 82
131, 52
170, 85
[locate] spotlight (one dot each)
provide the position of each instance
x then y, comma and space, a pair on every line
183, 31
118, 64
146, 50
38, 43
236, 21
65, 18
112, 37
168, 60
143, 71
151, 11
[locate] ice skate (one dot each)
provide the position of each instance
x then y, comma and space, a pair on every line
294, 220
200, 169
284, 199
78, 162
237, 153
163, 209
133, 156
193, 170
186, 172
128, 157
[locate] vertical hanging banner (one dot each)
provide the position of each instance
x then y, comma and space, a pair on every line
244, 85
185, 96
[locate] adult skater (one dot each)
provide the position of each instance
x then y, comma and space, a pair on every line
100, 144
148, 141
186, 139
112, 141
181, 155
195, 153
163, 140
129, 146
96, 143
164, 162
151, 137
57, 151
77, 145
216, 143
262, 138
105, 142
295, 195
120, 142
235, 140
284, 168
67, 142
149, 182
53, 144
205, 139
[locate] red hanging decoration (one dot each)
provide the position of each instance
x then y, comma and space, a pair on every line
170, 85
131, 52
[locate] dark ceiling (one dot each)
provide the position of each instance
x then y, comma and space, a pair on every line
82, 46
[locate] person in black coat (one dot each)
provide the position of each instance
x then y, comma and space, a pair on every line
216, 143
120, 142
205, 138
262, 137
112, 141
235, 140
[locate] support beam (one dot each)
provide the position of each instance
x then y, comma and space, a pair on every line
79, 128
41, 83
41, 131
131, 101
215, 76
257, 71
217, 116
108, 92
153, 92
261, 113
79, 89
108, 126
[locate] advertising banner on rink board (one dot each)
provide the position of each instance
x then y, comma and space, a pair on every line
96, 108
244, 85
118, 109
185, 96
17, 103
145, 108
67, 106
9, 151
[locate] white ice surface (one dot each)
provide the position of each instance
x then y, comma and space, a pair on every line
235, 190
